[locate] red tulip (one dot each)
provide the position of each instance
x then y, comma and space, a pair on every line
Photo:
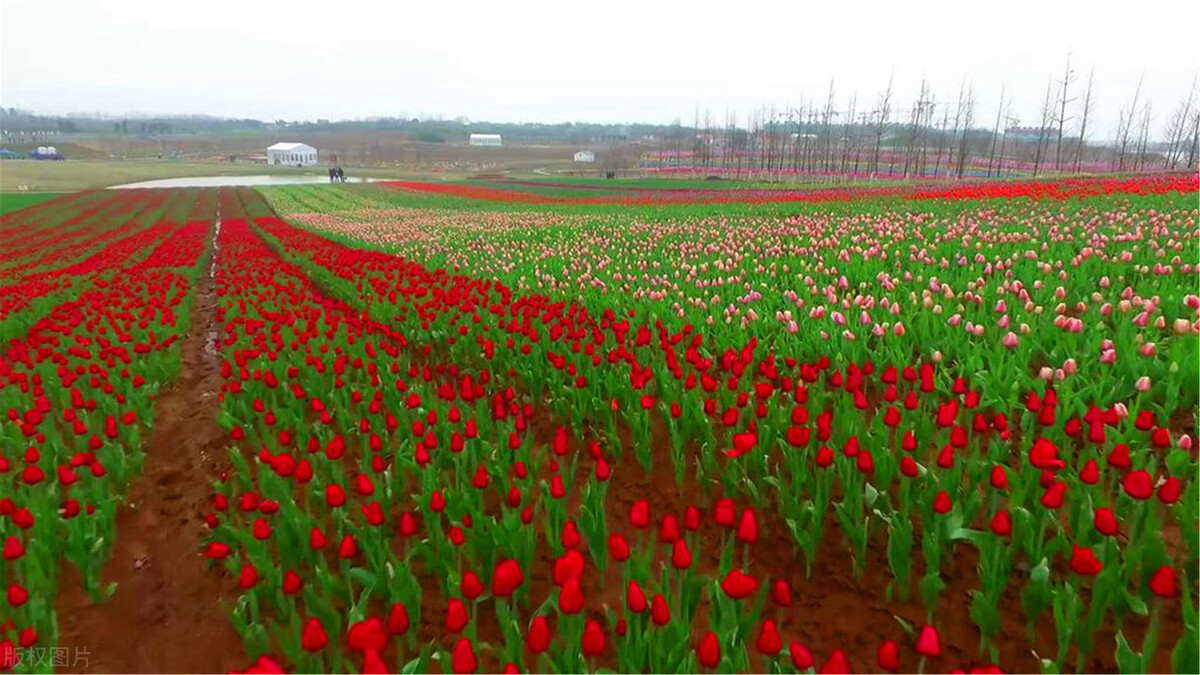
313, 637
941, 503
568, 566
316, 540
801, 658
1105, 522
1169, 492
398, 620
248, 576
570, 597
738, 585
708, 652
1052, 498
769, 642
593, 638
836, 664
456, 615
888, 657
1164, 583
507, 578
373, 664
291, 583
747, 531
462, 660
570, 535
928, 643
1084, 561
367, 635
681, 557
17, 595
538, 637
660, 614
1002, 523
618, 548
781, 593
1139, 485
471, 586
639, 514
635, 598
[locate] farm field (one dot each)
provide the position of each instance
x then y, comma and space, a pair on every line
565, 425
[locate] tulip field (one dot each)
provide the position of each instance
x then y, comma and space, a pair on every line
539, 426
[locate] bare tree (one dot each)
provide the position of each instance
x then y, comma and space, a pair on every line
941, 141
1047, 113
827, 116
883, 119
916, 123
1063, 100
1194, 147
1143, 136
1177, 129
967, 112
1125, 125
1087, 109
996, 132
847, 132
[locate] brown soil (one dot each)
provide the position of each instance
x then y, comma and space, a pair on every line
168, 614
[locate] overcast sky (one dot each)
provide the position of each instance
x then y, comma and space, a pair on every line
572, 60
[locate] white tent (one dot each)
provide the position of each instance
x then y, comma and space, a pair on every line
486, 140
585, 156
292, 154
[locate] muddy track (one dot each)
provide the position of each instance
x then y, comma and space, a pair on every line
169, 611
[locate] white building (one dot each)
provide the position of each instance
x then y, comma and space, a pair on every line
486, 140
292, 154
585, 156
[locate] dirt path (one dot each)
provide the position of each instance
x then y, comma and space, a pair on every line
168, 614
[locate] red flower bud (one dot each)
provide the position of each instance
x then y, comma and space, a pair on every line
538, 637
768, 643
1084, 562
738, 585
928, 643
507, 578
313, 637
594, 640
708, 652
1164, 583
888, 657
1139, 485
1105, 522
462, 659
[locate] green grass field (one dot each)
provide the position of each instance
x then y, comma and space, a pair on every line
15, 201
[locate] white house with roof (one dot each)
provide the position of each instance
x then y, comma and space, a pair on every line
585, 156
486, 140
292, 154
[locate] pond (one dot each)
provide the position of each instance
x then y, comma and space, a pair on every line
234, 181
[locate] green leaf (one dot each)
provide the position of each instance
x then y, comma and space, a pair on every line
1128, 661
1186, 654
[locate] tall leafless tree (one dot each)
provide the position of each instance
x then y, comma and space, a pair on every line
1047, 114
1061, 118
1125, 125
967, 112
1083, 123
996, 132
1177, 129
883, 119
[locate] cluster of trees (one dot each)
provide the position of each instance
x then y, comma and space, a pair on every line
928, 137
